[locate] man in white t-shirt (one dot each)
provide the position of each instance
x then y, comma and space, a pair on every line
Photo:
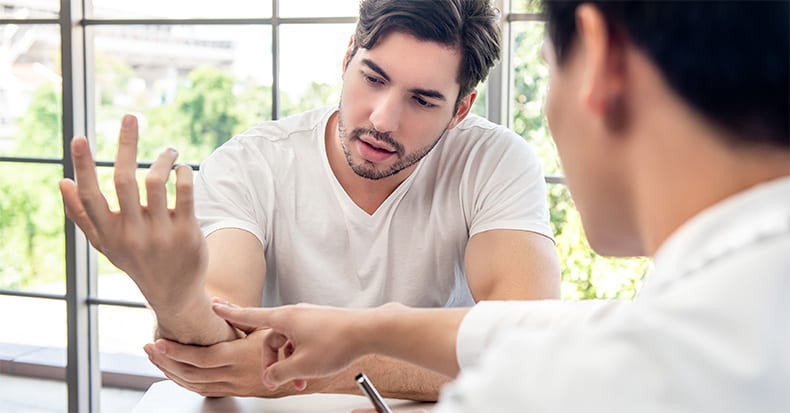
671, 119
398, 194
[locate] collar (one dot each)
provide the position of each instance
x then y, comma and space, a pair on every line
759, 213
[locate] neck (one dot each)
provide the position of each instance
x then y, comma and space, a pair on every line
671, 186
366, 193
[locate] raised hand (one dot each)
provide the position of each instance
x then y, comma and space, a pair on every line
161, 249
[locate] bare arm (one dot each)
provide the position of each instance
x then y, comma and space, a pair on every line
326, 341
512, 265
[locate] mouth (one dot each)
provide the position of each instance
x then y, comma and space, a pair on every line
374, 151
377, 145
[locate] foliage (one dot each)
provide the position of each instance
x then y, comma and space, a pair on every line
31, 217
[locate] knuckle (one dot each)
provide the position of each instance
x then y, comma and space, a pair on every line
154, 181
124, 181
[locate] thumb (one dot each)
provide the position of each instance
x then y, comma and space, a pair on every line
284, 371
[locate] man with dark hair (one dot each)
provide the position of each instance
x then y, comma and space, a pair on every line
659, 163
398, 194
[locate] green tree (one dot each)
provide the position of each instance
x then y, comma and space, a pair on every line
207, 102
31, 217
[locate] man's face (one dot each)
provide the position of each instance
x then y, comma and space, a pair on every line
592, 161
398, 100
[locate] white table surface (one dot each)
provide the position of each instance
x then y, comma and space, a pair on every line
168, 397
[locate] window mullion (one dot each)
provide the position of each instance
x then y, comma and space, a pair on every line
82, 369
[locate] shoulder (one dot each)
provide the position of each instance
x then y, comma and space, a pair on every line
271, 138
477, 137
286, 128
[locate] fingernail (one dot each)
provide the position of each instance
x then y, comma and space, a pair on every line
78, 148
172, 150
128, 120
220, 300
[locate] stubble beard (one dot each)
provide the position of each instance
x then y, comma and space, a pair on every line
368, 169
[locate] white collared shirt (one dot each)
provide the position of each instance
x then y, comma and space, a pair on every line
709, 332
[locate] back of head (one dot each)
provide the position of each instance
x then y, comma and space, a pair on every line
471, 26
727, 59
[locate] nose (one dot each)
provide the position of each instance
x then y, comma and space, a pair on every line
386, 114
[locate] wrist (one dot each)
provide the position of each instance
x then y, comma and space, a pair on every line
379, 326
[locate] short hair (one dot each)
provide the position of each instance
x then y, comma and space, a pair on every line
470, 26
727, 59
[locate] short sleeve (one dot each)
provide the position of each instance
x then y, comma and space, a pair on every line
232, 189
507, 186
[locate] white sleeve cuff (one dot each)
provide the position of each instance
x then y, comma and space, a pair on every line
476, 328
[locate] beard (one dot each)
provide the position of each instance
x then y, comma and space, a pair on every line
367, 169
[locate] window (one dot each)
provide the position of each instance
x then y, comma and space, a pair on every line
195, 74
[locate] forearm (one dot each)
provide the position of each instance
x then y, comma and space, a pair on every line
193, 323
393, 378
425, 337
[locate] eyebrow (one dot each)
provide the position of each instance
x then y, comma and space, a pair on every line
435, 94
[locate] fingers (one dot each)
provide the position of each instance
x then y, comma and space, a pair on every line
213, 356
245, 318
90, 199
285, 371
184, 193
125, 169
75, 211
155, 182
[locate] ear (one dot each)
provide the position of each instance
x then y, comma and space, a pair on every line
347, 56
603, 55
463, 109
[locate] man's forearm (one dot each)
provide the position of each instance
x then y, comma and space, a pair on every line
193, 323
393, 378
425, 337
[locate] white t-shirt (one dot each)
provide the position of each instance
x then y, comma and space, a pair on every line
709, 331
275, 181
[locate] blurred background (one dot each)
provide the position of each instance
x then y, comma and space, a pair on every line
195, 73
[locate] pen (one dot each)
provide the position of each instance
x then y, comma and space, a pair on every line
367, 387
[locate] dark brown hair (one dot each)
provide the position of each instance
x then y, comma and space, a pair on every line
729, 60
470, 26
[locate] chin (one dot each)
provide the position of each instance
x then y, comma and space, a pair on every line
610, 241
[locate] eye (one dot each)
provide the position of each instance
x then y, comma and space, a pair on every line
424, 103
372, 80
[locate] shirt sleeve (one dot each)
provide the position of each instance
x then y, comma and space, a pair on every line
488, 320
508, 188
228, 190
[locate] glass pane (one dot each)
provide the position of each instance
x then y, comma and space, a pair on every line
29, 9
586, 274
525, 6
479, 107
310, 80
35, 328
181, 9
122, 334
319, 8
192, 87
30, 91
23, 394
529, 83
31, 228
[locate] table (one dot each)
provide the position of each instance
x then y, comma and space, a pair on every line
168, 397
